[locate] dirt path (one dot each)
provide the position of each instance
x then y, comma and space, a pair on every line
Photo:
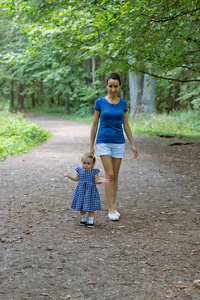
151, 253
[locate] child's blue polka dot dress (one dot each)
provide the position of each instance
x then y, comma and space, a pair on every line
86, 196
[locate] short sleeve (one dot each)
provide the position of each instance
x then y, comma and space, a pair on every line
97, 105
78, 170
96, 171
125, 106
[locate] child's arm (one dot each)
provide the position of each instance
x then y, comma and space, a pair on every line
66, 174
99, 181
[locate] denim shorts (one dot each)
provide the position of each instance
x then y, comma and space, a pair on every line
114, 150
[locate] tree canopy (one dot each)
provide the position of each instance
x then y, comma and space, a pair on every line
54, 38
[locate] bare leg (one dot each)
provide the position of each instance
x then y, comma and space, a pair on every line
109, 190
90, 214
116, 167
111, 168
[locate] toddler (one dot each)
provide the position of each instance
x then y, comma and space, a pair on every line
86, 196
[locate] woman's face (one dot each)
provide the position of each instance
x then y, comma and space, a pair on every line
113, 87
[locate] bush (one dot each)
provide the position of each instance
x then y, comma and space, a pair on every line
18, 135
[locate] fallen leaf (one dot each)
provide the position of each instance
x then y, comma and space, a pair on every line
9, 221
91, 282
182, 286
30, 232
49, 248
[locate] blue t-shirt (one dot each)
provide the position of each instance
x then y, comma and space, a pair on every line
111, 119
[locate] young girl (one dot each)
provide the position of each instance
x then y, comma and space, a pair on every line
86, 197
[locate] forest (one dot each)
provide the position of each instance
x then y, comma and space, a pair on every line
57, 54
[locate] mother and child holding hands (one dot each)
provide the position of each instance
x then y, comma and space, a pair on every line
110, 145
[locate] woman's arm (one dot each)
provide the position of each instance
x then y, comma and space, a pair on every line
129, 135
94, 130
74, 178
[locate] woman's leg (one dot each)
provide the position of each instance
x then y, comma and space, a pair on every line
109, 190
111, 167
116, 167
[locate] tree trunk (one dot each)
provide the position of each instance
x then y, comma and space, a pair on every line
20, 96
66, 102
93, 71
136, 92
149, 94
58, 99
89, 66
33, 99
12, 94
177, 102
41, 92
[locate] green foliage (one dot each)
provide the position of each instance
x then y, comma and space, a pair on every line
190, 94
18, 135
45, 44
183, 124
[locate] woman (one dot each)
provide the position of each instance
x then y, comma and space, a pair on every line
112, 112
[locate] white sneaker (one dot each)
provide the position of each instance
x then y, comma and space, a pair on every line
115, 212
113, 217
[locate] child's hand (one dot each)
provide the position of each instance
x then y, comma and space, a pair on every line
105, 180
65, 174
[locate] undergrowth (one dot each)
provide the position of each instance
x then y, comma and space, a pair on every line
18, 135
181, 124
177, 123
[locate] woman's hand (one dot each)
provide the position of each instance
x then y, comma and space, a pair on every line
65, 174
135, 151
92, 150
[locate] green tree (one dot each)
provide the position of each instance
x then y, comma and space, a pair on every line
159, 33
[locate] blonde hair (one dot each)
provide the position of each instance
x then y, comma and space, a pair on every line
90, 156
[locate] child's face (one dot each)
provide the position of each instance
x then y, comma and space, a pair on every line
87, 163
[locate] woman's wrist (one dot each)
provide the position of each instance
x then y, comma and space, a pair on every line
92, 149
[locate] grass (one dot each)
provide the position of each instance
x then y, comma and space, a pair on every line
181, 124
18, 135
177, 123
